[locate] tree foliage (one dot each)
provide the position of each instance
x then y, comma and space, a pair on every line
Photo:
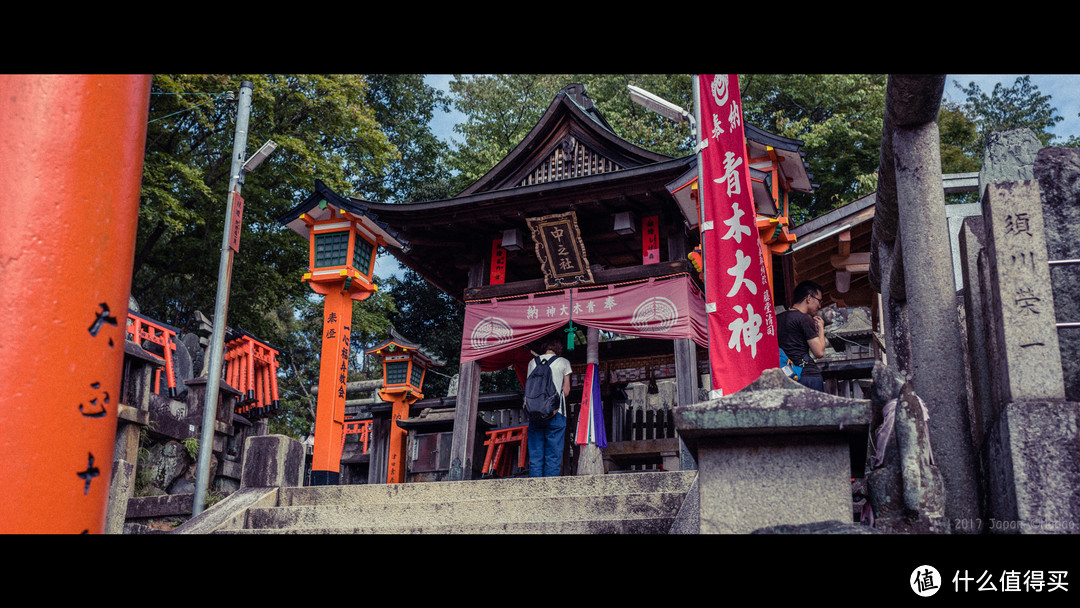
323, 129
363, 135
838, 117
404, 106
1018, 106
964, 126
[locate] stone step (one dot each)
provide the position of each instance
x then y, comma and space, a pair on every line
450, 491
413, 514
658, 525
625, 503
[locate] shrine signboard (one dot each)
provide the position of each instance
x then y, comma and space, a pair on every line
560, 250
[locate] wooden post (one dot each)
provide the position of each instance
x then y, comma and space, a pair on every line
686, 374
395, 460
590, 460
464, 440
333, 372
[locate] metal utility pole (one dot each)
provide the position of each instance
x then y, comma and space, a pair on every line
221, 307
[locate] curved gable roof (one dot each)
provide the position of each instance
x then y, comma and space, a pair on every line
570, 130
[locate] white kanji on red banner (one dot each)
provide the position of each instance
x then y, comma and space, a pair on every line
741, 318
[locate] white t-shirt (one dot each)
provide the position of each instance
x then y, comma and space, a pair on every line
560, 368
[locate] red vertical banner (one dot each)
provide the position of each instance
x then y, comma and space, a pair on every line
498, 263
650, 239
738, 304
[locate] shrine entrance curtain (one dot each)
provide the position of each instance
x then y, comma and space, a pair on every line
663, 308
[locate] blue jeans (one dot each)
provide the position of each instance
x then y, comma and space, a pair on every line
815, 382
546, 442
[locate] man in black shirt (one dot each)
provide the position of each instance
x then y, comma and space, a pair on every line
801, 332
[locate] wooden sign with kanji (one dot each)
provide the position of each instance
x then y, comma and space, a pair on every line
560, 250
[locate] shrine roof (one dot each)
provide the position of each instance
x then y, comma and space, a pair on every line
572, 116
570, 161
443, 238
316, 206
406, 345
835, 241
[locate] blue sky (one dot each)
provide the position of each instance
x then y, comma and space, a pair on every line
443, 124
1063, 89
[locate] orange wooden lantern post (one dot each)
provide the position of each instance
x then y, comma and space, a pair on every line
71, 161
404, 366
343, 240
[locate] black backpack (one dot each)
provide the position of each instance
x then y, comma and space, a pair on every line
541, 396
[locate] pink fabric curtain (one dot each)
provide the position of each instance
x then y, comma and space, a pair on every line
663, 308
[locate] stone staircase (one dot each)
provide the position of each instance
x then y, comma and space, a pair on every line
625, 503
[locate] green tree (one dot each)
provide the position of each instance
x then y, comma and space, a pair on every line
1072, 142
634, 123
323, 129
499, 109
960, 152
1020, 105
838, 117
363, 135
404, 106
960, 140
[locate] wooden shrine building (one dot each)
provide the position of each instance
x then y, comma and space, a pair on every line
577, 227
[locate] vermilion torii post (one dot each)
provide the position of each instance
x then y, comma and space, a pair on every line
71, 160
343, 240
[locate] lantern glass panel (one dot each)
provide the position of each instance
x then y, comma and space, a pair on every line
417, 375
362, 256
331, 249
397, 372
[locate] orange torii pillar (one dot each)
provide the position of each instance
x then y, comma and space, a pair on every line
144, 328
404, 366
343, 240
251, 368
71, 160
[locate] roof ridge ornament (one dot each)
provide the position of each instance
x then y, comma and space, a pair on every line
568, 147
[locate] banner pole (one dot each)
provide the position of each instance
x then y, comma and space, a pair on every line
699, 144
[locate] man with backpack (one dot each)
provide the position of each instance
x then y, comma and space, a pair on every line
545, 402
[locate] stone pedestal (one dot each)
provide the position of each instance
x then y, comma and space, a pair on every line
1033, 454
747, 483
774, 453
273, 461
